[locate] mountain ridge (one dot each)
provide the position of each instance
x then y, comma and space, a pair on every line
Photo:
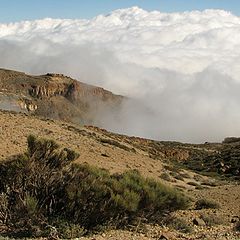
54, 96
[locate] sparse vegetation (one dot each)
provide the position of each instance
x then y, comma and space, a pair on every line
116, 144
212, 219
44, 193
178, 224
206, 204
185, 175
210, 183
228, 140
223, 163
237, 226
198, 178
177, 176
165, 176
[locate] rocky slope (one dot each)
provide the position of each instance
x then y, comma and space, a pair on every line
54, 96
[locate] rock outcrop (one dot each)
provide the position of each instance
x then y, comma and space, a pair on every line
56, 96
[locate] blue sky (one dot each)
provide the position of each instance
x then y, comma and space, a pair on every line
16, 10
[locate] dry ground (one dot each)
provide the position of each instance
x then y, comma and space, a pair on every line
116, 154
14, 129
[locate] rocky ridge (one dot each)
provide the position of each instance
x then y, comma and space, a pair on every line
54, 96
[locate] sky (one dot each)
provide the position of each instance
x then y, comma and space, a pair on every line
18, 10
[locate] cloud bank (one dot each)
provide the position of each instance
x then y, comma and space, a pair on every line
181, 70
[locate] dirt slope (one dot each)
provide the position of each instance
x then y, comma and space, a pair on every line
92, 146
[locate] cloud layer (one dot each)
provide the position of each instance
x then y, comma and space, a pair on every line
182, 69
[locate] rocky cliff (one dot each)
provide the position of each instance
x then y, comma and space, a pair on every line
54, 96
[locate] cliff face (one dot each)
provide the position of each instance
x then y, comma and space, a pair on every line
55, 96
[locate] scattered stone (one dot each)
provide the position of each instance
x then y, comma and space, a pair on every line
166, 236
199, 222
105, 155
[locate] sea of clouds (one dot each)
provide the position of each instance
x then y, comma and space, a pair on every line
181, 71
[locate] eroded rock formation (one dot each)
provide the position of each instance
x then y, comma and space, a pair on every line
56, 96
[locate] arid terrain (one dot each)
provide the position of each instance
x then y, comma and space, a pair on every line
57, 107
153, 159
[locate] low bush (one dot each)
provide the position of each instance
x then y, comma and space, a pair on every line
96, 197
177, 176
206, 204
44, 185
68, 230
178, 224
212, 220
165, 176
237, 226
4, 211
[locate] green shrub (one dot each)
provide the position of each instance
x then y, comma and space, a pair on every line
66, 230
31, 204
4, 211
96, 197
206, 204
44, 185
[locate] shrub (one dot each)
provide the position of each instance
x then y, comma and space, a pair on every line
198, 178
43, 185
177, 176
96, 197
178, 224
212, 219
3, 208
206, 204
31, 204
237, 226
165, 176
231, 140
67, 230
117, 144
185, 175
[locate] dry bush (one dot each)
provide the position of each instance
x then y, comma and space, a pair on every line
178, 224
212, 219
206, 204
237, 226
165, 176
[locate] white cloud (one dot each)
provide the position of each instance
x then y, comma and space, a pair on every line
184, 67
